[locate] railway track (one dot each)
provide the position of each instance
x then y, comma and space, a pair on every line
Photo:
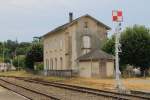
140, 93
26, 92
136, 95
107, 94
114, 95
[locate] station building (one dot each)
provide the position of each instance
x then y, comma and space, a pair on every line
75, 46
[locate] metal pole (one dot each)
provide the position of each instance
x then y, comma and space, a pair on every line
3, 55
118, 73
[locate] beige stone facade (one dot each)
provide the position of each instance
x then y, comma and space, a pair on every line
96, 64
95, 69
63, 45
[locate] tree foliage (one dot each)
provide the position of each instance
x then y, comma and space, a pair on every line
35, 54
22, 48
135, 43
136, 47
29, 62
19, 61
13, 48
109, 46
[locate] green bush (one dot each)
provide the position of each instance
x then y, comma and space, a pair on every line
19, 61
39, 66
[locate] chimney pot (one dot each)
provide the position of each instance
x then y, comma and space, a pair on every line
70, 17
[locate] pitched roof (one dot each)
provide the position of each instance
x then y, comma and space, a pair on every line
96, 55
62, 27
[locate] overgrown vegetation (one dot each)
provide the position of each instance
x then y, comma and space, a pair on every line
14, 52
22, 55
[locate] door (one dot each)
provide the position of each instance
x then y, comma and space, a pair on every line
85, 69
102, 69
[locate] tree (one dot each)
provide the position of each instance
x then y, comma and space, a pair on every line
109, 46
29, 61
22, 48
35, 54
136, 47
10, 46
135, 43
13, 48
19, 61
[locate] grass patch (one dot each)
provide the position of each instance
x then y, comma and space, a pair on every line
16, 73
109, 84
30, 75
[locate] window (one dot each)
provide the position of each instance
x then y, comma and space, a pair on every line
61, 63
86, 27
56, 44
61, 44
56, 63
86, 42
47, 64
51, 64
85, 24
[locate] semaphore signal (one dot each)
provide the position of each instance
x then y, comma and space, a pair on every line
117, 16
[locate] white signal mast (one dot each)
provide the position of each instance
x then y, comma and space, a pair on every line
118, 18
117, 51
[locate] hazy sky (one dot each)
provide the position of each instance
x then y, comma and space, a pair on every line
24, 19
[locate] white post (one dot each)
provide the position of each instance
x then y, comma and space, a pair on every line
3, 55
117, 44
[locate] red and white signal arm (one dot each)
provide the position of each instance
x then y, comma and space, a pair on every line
117, 16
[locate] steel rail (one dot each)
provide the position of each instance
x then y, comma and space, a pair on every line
31, 90
115, 95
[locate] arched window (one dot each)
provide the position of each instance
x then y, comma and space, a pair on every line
47, 64
56, 63
51, 64
86, 44
61, 63
86, 41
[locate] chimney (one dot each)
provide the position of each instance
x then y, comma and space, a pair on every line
70, 16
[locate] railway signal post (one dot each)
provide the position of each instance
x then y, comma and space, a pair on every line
117, 17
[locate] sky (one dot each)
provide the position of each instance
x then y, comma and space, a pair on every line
24, 19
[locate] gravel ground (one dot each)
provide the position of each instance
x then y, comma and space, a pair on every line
57, 92
24, 92
9, 95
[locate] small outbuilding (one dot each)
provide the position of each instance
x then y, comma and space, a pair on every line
96, 63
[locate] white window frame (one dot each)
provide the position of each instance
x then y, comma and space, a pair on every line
86, 41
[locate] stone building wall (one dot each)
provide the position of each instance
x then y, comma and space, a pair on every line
65, 46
